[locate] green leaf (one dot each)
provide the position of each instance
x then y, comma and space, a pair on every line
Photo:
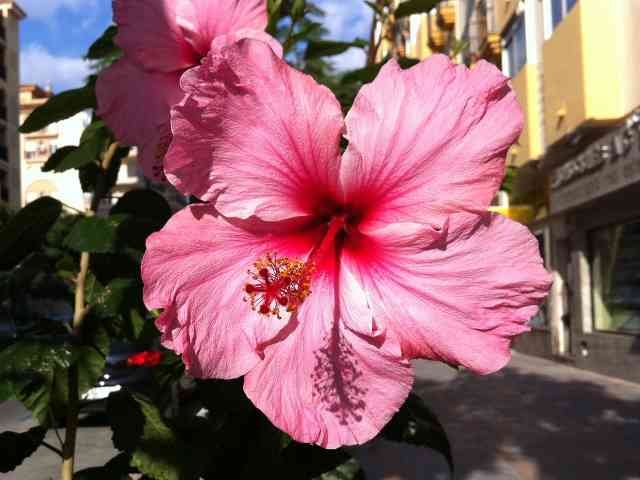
16, 447
144, 212
303, 461
34, 392
412, 7
88, 176
297, 9
509, 178
143, 203
59, 107
115, 469
325, 48
94, 234
170, 370
91, 360
92, 143
116, 297
6, 390
416, 424
54, 160
368, 74
306, 30
26, 230
363, 75
349, 470
273, 7
33, 355
28, 367
104, 46
139, 430
90, 172
406, 62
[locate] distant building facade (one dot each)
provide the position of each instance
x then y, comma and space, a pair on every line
37, 147
575, 68
10, 16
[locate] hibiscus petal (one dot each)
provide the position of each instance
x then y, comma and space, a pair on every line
432, 139
196, 269
462, 300
148, 33
233, 37
256, 134
355, 305
325, 384
135, 104
202, 21
151, 153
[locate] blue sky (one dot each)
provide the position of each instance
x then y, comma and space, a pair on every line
57, 33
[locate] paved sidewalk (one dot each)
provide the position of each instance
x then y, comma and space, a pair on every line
534, 420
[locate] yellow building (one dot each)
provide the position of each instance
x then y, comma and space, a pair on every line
575, 67
10, 16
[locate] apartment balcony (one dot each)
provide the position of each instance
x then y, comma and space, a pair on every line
437, 36
4, 153
447, 16
3, 72
493, 45
485, 40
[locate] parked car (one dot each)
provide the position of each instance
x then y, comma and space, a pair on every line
126, 366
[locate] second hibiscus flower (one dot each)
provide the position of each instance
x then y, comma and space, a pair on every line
160, 39
319, 275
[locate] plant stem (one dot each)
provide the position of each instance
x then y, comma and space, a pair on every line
51, 447
80, 311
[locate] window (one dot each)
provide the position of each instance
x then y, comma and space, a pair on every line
4, 186
615, 275
556, 11
541, 319
516, 46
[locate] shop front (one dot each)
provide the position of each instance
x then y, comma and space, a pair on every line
592, 244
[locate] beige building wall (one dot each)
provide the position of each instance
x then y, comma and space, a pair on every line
564, 85
11, 15
37, 147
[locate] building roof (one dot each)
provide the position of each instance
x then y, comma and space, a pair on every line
13, 6
35, 90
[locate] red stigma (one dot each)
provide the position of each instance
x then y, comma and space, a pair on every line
278, 282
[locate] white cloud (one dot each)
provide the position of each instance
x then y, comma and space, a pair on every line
45, 9
347, 20
38, 65
350, 60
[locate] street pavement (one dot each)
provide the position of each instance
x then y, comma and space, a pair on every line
534, 420
94, 445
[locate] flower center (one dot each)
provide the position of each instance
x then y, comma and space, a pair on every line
278, 283
282, 283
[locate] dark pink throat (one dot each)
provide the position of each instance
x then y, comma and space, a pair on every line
336, 226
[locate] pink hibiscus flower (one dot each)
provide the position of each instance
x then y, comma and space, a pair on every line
318, 275
160, 40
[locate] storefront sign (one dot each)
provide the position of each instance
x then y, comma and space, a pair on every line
610, 164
